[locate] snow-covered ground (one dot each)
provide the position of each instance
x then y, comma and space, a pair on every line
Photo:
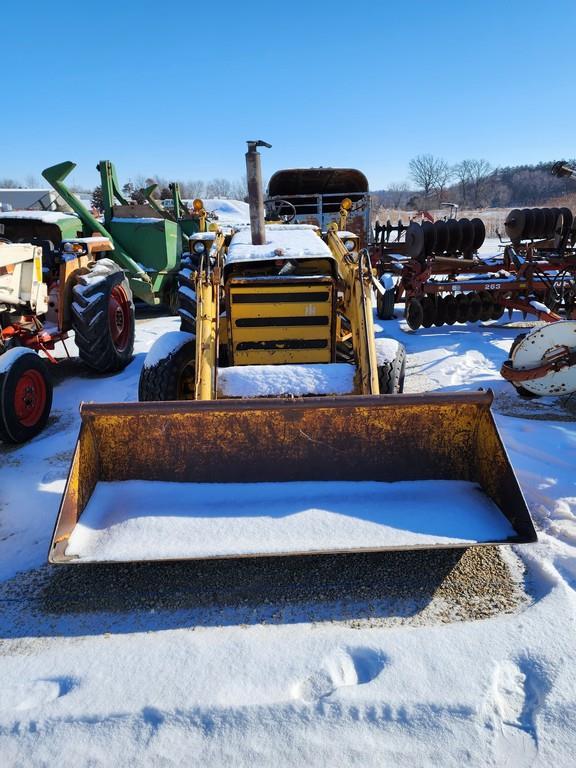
295, 663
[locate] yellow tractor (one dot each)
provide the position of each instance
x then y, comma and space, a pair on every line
275, 424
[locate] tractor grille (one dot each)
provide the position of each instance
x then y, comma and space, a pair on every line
281, 321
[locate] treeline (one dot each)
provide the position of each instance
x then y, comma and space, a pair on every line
473, 183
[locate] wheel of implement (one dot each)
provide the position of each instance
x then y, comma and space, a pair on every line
539, 223
440, 313
487, 304
187, 307
567, 219
428, 311
548, 222
385, 303
429, 232
514, 224
530, 350
474, 307
497, 310
467, 235
442, 233
461, 308
528, 224
168, 370
556, 213
391, 366
479, 233
454, 235
103, 317
450, 309
414, 239
414, 314
25, 395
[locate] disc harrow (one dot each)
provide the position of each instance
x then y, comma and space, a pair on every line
443, 281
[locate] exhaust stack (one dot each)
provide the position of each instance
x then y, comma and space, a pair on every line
255, 191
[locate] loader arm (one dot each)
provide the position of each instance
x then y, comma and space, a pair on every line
55, 176
207, 323
358, 309
147, 193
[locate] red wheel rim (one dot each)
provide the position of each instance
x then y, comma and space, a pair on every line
30, 398
119, 317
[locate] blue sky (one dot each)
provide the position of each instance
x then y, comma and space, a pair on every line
161, 88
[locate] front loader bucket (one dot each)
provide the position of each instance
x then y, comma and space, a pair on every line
245, 478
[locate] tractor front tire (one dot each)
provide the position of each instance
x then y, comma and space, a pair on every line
103, 317
187, 307
391, 366
168, 370
25, 395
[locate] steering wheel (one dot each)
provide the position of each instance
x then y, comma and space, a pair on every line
283, 209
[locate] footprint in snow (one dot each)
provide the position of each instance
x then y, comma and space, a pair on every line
518, 691
345, 668
35, 694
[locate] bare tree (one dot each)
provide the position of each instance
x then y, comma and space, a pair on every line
239, 189
9, 184
398, 191
218, 188
463, 173
443, 175
479, 170
424, 171
192, 189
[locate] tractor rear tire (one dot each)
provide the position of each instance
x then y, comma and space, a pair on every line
385, 304
25, 395
168, 370
391, 372
187, 306
103, 317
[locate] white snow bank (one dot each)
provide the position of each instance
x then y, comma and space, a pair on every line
289, 241
279, 380
139, 519
229, 212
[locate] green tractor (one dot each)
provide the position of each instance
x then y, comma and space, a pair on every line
147, 242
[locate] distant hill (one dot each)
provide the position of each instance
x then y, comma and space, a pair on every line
506, 187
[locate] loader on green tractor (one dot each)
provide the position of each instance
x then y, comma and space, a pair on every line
147, 243
265, 431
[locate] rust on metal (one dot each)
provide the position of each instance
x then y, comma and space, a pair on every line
383, 438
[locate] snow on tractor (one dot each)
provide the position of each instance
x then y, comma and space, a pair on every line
46, 292
275, 426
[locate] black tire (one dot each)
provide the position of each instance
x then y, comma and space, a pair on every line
170, 298
520, 390
440, 314
187, 306
25, 395
385, 304
391, 373
171, 377
450, 309
429, 311
103, 317
474, 307
414, 314
487, 305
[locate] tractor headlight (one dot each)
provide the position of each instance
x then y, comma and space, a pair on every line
199, 247
350, 245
